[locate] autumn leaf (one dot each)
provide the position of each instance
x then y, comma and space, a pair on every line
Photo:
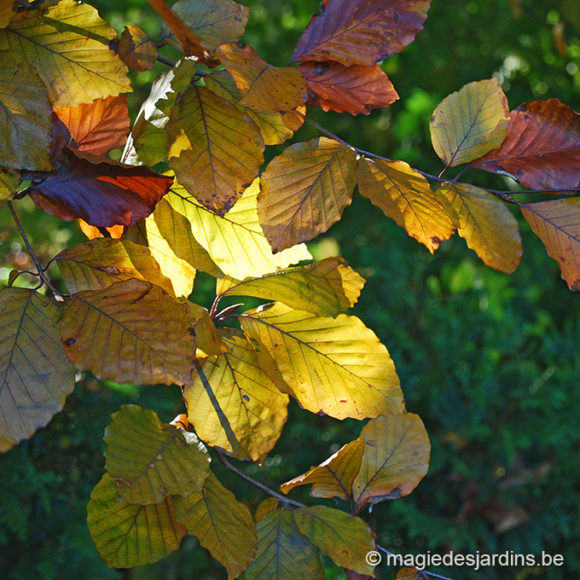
7, 10
35, 375
9, 183
333, 477
557, 224
249, 400
406, 196
128, 535
336, 366
542, 147
263, 87
347, 89
222, 524
360, 32
486, 225
136, 49
215, 149
99, 126
396, 458
470, 122
68, 46
305, 190
103, 193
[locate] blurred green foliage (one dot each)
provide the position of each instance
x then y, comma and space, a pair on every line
489, 361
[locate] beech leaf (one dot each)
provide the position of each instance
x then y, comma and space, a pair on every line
9, 183
136, 49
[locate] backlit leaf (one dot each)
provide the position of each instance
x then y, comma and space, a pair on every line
347, 89
470, 122
8, 185
93, 232
150, 460
557, 223
216, 150
396, 458
283, 552
325, 288
102, 194
335, 366
542, 148
360, 31
99, 126
305, 190
344, 538
486, 225
333, 477
406, 196
68, 45
263, 87
222, 524
136, 49
234, 242
408, 573
35, 376
128, 535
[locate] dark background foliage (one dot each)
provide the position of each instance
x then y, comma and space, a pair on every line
489, 361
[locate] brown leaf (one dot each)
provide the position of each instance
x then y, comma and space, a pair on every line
542, 147
347, 89
136, 49
360, 31
102, 194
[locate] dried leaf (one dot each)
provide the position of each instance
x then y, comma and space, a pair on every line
136, 49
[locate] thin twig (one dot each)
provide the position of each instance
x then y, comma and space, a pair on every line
164, 60
401, 560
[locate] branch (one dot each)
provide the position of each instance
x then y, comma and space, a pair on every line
164, 60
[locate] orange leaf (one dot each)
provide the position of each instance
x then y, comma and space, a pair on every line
93, 232
99, 126
136, 49
360, 31
347, 89
542, 147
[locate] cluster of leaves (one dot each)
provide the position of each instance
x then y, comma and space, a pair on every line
125, 315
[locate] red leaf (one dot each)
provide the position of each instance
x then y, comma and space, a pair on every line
103, 194
542, 147
360, 31
347, 89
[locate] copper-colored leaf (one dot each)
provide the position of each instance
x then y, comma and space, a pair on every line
335, 476
216, 150
406, 196
360, 31
542, 148
347, 89
305, 190
99, 126
396, 458
486, 224
557, 223
136, 49
93, 232
263, 87
102, 194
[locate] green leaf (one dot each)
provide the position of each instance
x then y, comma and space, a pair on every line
335, 366
9, 183
283, 552
344, 538
128, 535
222, 524
470, 122
396, 458
325, 288
150, 460
35, 375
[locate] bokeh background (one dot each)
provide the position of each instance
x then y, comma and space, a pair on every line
489, 361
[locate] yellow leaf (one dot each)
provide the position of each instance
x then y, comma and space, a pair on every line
333, 477
470, 122
406, 197
128, 535
396, 458
215, 149
35, 376
486, 224
332, 365
150, 460
235, 242
6, 11
407, 573
305, 190
265, 507
9, 183
222, 524
557, 224
250, 401
68, 45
